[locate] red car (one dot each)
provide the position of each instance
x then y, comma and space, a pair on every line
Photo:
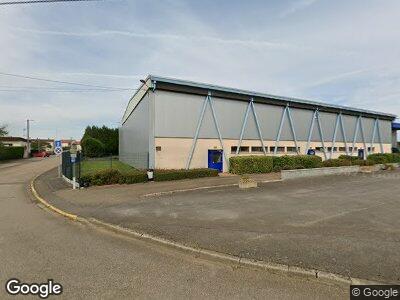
39, 153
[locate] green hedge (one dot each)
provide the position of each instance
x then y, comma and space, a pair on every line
250, 164
11, 153
356, 161
267, 164
113, 176
338, 163
384, 158
166, 175
291, 162
349, 157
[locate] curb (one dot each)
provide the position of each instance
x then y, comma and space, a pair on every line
272, 267
48, 205
202, 188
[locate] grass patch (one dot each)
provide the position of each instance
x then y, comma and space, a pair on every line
96, 165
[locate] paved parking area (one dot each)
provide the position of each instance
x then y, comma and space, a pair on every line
348, 225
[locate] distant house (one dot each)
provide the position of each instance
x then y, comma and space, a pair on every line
66, 144
14, 141
45, 144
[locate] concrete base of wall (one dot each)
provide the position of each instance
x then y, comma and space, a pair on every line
301, 173
247, 183
292, 174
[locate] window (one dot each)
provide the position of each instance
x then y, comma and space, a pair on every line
280, 149
242, 149
257, 149
351, 149
369, 149
321, 149
216, 157
330, 149
158, 148
342, 149
292, 149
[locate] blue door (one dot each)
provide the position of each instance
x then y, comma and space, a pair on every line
215, 159
361, 153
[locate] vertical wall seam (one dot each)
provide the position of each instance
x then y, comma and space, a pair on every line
196, 135
258, 125
334, 136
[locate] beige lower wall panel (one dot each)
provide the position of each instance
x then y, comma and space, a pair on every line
174, 152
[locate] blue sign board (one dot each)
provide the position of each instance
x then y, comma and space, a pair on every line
57, 144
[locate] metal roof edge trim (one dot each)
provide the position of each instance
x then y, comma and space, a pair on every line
263, 95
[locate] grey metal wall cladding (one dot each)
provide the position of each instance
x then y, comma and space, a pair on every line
177, 114
134, 136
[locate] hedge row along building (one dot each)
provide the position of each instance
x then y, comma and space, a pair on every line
177, 124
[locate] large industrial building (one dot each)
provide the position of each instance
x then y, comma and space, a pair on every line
177, 124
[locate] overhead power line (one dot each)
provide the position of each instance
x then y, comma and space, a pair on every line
66, 82
41, 1
60, 91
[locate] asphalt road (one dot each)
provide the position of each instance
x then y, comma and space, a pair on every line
36, 245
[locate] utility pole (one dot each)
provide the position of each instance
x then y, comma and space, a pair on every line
27, 136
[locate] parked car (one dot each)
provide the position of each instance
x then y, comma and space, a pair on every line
39, 153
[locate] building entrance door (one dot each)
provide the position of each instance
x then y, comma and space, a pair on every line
215, 159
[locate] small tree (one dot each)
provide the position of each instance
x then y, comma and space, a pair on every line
3, 132
108, 136
92, 147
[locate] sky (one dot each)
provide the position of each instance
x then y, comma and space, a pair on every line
339, 52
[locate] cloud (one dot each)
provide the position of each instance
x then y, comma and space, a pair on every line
165, 36
343, 53
296, 6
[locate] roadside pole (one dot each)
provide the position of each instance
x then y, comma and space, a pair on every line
73, 152
59, 167
58, 151
73, 173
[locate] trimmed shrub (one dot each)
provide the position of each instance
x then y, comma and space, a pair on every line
380, 158
112, 176
337, 163
290, 162
133, 177
103, 177
92, 147
11, 153
361, 162
166, 175
349, 157
250, 164
395, 157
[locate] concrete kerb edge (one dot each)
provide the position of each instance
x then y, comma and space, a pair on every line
269, 266
48, 205
202, 188
272, 267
